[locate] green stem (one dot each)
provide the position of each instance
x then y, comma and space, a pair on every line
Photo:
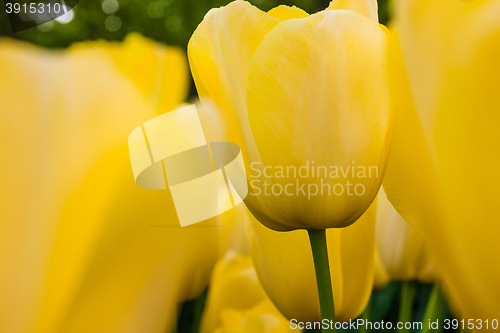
435, 310
317, 238
406, 306
366, 317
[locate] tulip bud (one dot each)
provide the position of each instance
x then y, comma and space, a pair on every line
307, 101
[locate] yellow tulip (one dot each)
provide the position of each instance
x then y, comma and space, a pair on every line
403, 252
442, 174
298, 90
237, 302
82, 248
284, 263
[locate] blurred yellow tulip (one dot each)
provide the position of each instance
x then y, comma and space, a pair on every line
237, 302
82, 248
403, 252
442, 176
296, 91
284, 263
142, 263
262, 318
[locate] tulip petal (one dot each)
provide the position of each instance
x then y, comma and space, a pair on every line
466, 133
368, 8
220, 59
234, 284
327, 104
77, 247
381, 277
142, 265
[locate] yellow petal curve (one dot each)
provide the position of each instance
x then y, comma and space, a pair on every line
368, 8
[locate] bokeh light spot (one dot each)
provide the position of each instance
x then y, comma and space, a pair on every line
110, 6
66, 17
113, 23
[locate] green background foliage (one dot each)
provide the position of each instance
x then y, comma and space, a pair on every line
168, 21
171, 22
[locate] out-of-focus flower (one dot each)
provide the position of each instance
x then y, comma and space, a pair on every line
443, 171
297, 90
284, 263
262, 318
82, 248
403, 252
237, 302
